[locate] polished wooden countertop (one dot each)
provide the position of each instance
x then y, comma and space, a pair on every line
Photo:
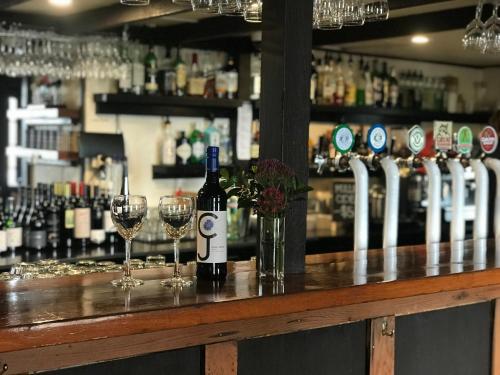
41, 313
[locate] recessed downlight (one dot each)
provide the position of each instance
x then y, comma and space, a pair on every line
61, 3
419, 39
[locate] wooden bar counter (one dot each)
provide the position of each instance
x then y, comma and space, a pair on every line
393, 312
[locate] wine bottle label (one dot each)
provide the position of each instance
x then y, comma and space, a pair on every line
3, 240
109, 226
97, 236
37, 239
14, 237
82, 223
211, 242
69, 219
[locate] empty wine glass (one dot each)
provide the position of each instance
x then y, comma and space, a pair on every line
327, 14
128, 213
354, 13
491, 37
253, 11
474, 35
376, 10
176, 213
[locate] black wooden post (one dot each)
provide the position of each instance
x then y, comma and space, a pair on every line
285, 105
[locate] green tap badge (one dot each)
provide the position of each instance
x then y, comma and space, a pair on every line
464, 140
343, 138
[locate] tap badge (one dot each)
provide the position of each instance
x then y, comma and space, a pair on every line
443, 137
464, 140
416, 139
343, 138
377, 138
488, 138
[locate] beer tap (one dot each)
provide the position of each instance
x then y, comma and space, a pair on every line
377, 142
488, 139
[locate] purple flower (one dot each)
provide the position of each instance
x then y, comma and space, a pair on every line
271, 202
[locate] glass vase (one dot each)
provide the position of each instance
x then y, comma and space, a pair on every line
272, 247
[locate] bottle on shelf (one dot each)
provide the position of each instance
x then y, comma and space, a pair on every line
226, 147
138, 77
360, 84
67, 217
168, 75
385, 86
212, 135
232, 76
369, 92
197, 144
52, 216
378, 87
183, 150
83, 218
37, 226
125, 81
339, 95
254, 146
151, 66
314, 81
350, 84
97, 232
211, 239
209, 75
108, 225
196, 81
168, 144
220, 83
14, 230
329, 81
180, 75
3, 233
27, 218
393, 89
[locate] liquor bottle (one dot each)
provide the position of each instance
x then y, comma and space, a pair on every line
378, 88
197, 145
14, 231
196, 81
82, 218
27, 218
211, 243
3, 233
385, 86
183, 150
67, 218
393, 89
329, 82
254, 146
125, 81
212, 135
209, 75
320, 70
19, 213
180, 75
232, 78
350, 84
52, 217
138, 78
18, 201
38, 226
369, 95
108, 225
339, 96
314, 81
226, 147
169, 77
97, 233
220, 83
360, 84
151, 66
168, 144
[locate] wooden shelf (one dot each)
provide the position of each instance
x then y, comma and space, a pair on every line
389, 116
157, 105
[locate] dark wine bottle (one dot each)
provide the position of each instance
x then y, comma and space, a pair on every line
83, 218
38, 227
67, 219
211, 223
52, 216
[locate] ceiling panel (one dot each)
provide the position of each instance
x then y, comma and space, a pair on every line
443, 47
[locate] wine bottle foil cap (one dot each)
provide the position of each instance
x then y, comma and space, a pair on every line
212, 151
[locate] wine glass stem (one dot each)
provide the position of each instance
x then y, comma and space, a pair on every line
128, 245
177, 272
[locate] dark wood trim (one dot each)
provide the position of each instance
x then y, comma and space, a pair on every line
104, 347
221, 358
382, 346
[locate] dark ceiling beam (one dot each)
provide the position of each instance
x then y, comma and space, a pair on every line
113, 16
451, 19
5, 4
30, 19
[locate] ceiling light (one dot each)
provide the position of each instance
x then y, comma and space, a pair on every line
420, 39
61, 3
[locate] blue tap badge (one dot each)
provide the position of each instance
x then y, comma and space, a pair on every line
377, 138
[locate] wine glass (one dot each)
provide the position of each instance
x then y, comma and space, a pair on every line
376, 10
128, 213
176, 213
474, 32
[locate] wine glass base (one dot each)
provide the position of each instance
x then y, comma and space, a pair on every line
127, 282
175, 282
